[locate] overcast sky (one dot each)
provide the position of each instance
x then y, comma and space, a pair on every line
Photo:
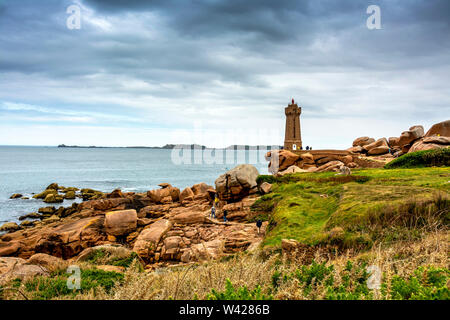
220, 72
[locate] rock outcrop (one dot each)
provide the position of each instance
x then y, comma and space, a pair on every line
63, 239
439, 129
166, 194
237, 183
410, 140
187, 195
204, 251
428, 143
120, 223
407, 138
265, 188
9, 226
378, 147
362, 141
437, 137
310, 161
22, 272
47, 261
160, 226
148, 240
280, 160
330, 166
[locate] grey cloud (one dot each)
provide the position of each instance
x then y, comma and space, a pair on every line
243, 55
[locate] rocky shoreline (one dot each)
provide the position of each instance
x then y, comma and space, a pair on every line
161, 227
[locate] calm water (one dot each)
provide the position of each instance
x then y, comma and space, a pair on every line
28, 170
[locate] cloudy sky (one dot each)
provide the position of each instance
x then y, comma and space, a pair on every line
219, 72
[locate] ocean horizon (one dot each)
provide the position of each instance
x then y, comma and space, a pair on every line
30, 169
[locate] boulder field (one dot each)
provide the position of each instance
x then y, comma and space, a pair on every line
414, 139
282, 162
161, 226
366, 152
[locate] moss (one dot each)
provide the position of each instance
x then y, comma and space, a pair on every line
91, 194
69, 195
53, 198
45, 193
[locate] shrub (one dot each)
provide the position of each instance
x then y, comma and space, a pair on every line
126, 262
315, 273
97, 256
426, 158
241, 293
265, 178
103, 257
56, 285
426, 284
317, 280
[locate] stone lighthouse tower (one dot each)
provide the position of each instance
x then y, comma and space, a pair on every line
292, 136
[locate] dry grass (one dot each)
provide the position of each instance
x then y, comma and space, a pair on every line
251, 270
413, 214
401, 259
192, 281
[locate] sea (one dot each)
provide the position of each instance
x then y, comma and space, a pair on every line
29, 170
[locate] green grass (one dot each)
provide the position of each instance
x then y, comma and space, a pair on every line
306, 206
101, 256
44, 288
426, 158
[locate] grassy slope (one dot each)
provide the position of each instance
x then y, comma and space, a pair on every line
425, 158
310, 205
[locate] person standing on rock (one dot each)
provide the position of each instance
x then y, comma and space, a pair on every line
259, 224
213, 212
225, 212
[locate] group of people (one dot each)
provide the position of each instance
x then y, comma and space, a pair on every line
225, 213
307, 148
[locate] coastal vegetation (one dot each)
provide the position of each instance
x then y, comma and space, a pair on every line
410, 270
394, 221
425, 158
370, 206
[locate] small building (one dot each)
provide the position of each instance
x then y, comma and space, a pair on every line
292, 136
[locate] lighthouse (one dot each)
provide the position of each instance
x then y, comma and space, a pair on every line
292, 136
